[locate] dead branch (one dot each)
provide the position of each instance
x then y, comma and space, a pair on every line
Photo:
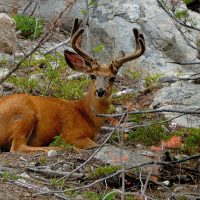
193, 112
80, 188
53, 173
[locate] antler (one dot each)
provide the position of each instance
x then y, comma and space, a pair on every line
139, 50
76, 39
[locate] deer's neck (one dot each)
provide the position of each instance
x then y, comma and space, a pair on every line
94, 105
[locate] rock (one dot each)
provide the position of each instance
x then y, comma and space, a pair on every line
3, 71
24, 175
7, 86
181, 96
75, 76
52, 153
111, 155
37, 77
55, 65
7, 34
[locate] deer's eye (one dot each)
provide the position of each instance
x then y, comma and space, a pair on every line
93, 77
112, 79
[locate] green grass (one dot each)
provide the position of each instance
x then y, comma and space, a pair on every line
30, 27
150, 135
100, 172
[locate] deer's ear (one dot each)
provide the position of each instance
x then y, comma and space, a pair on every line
76, 62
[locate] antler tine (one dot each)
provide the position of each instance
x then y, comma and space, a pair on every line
77, 23
77, 48
139, 50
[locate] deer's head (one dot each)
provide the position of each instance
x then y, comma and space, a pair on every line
102, 75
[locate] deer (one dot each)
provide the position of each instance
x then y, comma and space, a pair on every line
29, 123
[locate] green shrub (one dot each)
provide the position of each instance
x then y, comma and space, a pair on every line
151, 135
30, 27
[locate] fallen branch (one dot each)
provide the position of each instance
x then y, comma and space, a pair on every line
152, 111
53, 173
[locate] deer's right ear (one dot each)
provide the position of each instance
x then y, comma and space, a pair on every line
76, 62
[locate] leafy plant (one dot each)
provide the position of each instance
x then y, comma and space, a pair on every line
58, 184
98, 48
7, 176
182, 15
188, 1
27, 86
42, 160
30, 27
103, 171
150, 80
59, 142
150, 135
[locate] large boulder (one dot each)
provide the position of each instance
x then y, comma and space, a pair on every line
7, 34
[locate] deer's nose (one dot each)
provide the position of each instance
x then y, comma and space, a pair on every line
100, 92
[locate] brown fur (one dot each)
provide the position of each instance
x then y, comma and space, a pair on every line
32, 121
29, 123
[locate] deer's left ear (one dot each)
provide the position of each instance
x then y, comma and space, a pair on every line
76, 62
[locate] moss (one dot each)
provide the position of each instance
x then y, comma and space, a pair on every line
102, 171
150, 80
191, 138
59, 142
26, 86
30, 26
151, 135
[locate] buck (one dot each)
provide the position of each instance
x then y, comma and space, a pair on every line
29, 123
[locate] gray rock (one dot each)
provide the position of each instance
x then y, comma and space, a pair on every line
7, 86
111, 155
3, 71
7, 34
181, 96
37, 77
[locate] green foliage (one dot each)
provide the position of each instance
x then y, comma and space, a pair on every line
94, 196
92, 3
56, 183
59, 142
73, 89
102, 171
98, 48
151, 135
150, 80
112, 108
55, 85
3, 62
84, 12
188, 1
42, 160
135, 75
192, 141
182, 15
7, 176
30, 27
26, 86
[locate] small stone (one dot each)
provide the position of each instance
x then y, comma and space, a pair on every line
24, 175
7, 86
166, 183
54, 65
52, 153
37, 77
3, 71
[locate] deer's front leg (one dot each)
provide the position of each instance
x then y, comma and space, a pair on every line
79, 139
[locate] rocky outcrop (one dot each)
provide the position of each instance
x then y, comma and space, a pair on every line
7, 34
111, 24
